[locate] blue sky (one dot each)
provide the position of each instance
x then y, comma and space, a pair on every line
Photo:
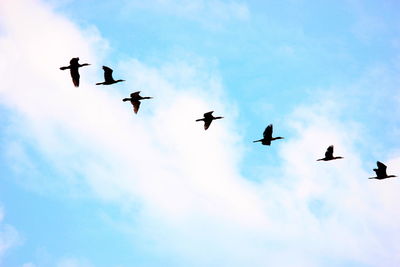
85, 183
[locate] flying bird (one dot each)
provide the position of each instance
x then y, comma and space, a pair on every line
135, 100
329, 155
266, 141
74, 69
208, 118
381, 172
108, 78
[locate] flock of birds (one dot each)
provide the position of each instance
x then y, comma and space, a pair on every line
135, 99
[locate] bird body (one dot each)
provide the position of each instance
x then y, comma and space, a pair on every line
208, 118
108, 78
381, 172
267, 136
74, 70
329, 155
135, 100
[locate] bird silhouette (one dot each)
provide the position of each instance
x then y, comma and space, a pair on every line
108, 78
266, 141
74, 69
381, 172
329, 155
135, 100
208, 118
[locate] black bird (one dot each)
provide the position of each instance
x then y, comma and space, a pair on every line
108, 78
208, 118
266, 141
329, 155
74, 69
381, 172
135, 100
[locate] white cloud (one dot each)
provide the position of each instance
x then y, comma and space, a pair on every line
63, 262
9, 237
70, 262
192, 200
211, 13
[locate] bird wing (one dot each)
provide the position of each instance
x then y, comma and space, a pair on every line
329, 152
208, 115
268, 132
207, 124
136, 105
135, 94
381, 169
108, 73
75, 76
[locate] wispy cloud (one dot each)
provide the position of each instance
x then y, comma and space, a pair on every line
70, 262
63, 262
212, 13
9, 236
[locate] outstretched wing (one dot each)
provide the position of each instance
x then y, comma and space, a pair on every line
107, 73
207, 124
208, 115
136, 105
329, 152
268, 132
135, 94
381, 169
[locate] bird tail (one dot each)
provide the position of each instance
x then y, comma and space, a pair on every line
76, 82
